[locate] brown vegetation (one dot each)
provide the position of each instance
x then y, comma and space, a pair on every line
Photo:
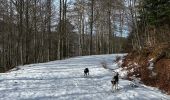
140, 61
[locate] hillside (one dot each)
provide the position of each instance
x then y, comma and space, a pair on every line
151, 65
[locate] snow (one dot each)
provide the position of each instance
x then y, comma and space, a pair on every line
64, 80
151, 66
122, 73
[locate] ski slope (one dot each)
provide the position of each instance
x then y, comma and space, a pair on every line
64, 80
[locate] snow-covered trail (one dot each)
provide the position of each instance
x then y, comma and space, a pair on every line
64, 80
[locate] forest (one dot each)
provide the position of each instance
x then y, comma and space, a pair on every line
35, 31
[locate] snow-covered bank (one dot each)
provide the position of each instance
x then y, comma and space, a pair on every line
64, 80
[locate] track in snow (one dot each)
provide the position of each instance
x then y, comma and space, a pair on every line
64, 80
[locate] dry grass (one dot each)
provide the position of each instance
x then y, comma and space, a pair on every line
104, 64
118, 58
161, 67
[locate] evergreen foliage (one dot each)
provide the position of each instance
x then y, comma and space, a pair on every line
157, 12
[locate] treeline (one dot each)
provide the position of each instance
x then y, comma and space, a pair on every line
148, 43
150, 25
25, 35
33, 31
